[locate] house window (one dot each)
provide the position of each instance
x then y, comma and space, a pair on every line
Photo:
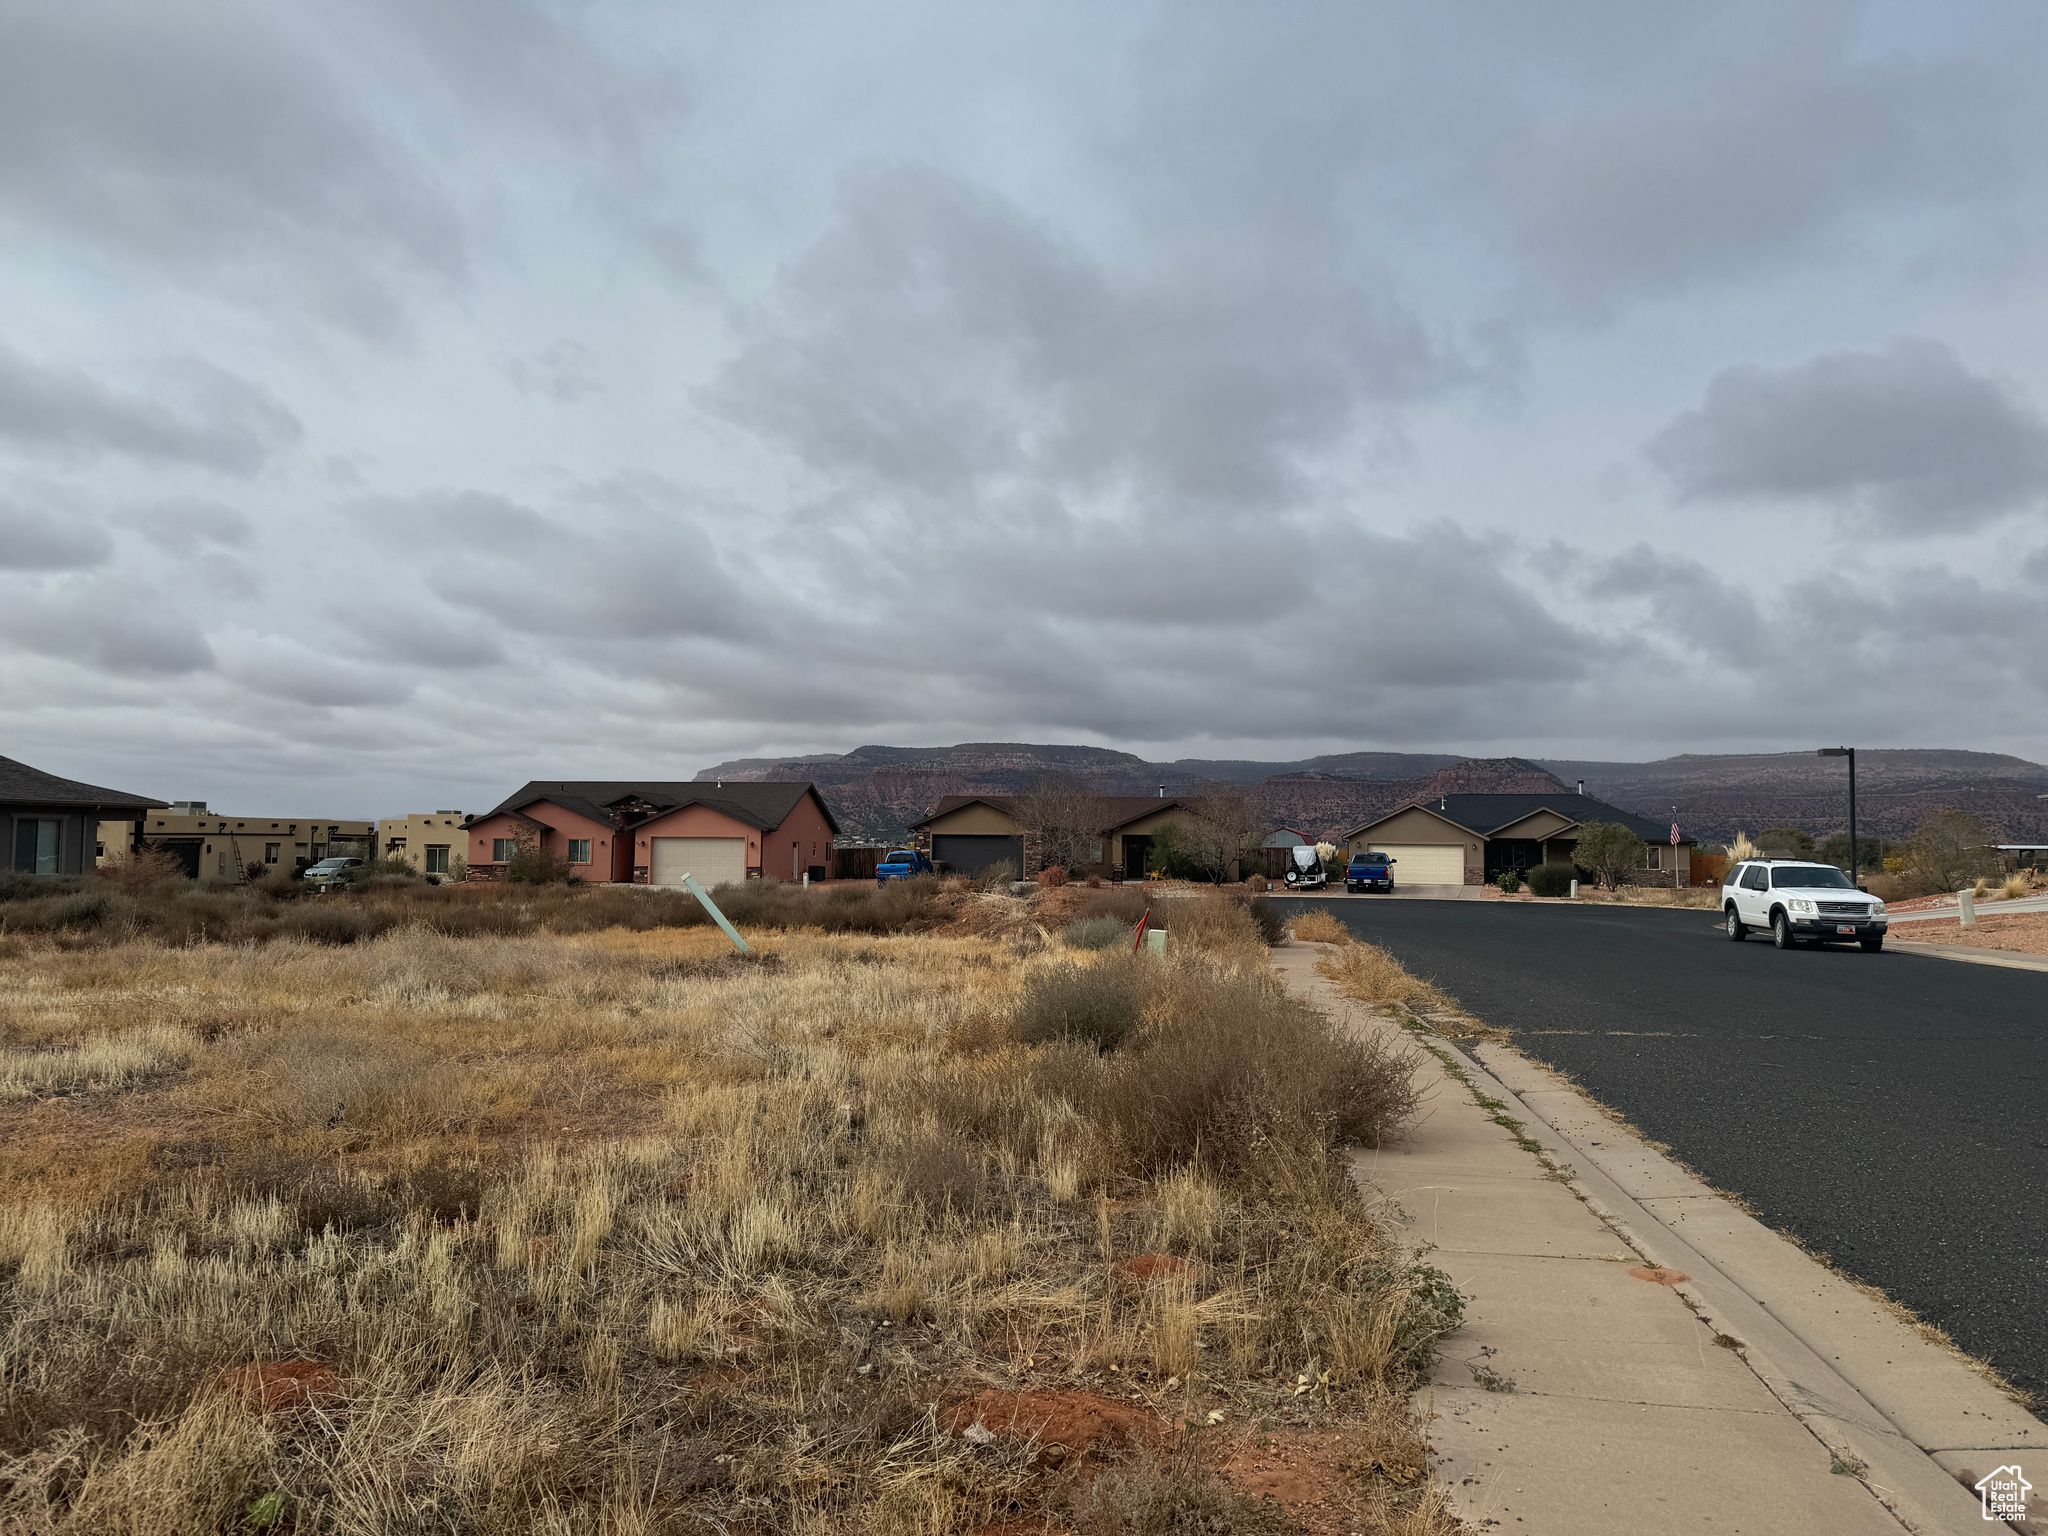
502, 849
1650, 853
579, 850
270, 852
35, 846
437, 858
223, 866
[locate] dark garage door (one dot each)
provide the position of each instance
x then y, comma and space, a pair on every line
963, 855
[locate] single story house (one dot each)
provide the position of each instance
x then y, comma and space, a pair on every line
655, 833
434, 843
53, 825
1472, 839
969, 833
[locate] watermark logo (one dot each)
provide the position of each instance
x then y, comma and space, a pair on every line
2005, 1494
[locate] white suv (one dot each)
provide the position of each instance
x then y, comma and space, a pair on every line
1800, 902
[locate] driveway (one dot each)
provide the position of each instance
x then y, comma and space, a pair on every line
1890, 1111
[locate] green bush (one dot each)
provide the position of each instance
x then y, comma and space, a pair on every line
1553, 879
1097, 1005
1095, 933
1509, 881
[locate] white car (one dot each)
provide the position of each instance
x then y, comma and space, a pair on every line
1800, 902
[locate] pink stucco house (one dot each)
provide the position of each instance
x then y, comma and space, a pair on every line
655, 833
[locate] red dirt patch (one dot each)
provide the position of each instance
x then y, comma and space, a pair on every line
1063, 1423
280, 1386
1147, 1267
1658, 1276
2023, 933
1302, 1472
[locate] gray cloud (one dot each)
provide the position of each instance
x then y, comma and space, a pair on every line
218, 422
121, 628
1907, 436
284, 668
187, 525
44, 539
215, 144
937, 337
564, 370
417, 632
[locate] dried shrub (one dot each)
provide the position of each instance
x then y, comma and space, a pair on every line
1238, 1068
138, 869
940, 1171
1125, 905
1098, 1005
1052, 878
1271, 925
1215, 923
1371, 975
1319, 925
1095, 933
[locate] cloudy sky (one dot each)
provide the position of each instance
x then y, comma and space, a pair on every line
400, 399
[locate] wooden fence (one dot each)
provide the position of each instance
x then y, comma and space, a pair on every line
856, 863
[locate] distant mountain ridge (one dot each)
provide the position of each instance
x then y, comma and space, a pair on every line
876, 791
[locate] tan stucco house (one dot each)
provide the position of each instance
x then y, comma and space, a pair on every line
432, 842
218, 847
1471, 839
969, 833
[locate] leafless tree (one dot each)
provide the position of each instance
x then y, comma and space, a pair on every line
1950, 849
1220, 828
1066, 816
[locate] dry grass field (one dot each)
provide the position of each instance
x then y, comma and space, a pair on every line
614, 1231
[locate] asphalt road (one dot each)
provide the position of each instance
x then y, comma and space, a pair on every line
1890, 1111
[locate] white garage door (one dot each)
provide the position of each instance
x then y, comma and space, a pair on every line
713, 860
1425, 863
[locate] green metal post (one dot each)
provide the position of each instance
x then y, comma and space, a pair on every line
690, 884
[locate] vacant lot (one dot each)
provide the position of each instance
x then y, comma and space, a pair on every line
615, 1231
2023, 933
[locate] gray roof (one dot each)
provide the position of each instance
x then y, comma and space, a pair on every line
1487, 814
1111, 811
23, 785
765, 806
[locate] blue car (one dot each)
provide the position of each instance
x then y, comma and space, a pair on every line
901, 864
1369, 872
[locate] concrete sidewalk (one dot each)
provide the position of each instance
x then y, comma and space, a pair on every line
1639, 1354
1947, 911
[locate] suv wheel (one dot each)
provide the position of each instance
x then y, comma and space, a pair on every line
1737, 930
1871, 946
1781, 930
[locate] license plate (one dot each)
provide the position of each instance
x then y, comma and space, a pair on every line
1844, 928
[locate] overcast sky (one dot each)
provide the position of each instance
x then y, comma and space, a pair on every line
401, 399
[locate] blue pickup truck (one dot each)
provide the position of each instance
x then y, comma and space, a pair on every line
1369, 872
901, 864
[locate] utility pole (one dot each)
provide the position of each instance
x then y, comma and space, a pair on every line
1855, 865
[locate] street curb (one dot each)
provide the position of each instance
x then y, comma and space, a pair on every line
1904, 1477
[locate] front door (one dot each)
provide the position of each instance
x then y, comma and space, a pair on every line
1753, 896
1137, 857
